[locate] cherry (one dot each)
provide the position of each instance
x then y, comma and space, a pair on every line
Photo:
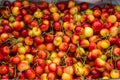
97, 25
118, 42
95, 74
7, 28
4, 69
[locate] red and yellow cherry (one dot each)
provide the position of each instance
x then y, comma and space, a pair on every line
66, 39
91, 18
33, 23
52, 67
104, 32
40, 62
72, 47
63, 46
117, 64
57, 60
109, 65
71, 4
43, 5
38, 14
17, 25
92, 46
95, 74
87, 70
15, 10
94, 54
28, 40
36, 31
57, 26
97, 25
79, 52
68, 25
33, 6
41, 47
49, 38
27, 18
29, 58
39, 70
5, 50
46, 21
97, 13
61, 6
66, 76
116, 51
113, 17
73, 10
12, 72
18, 4
99, 62
69, 70
22, 50
75, 38
118, 42
29, 74
53, 8
44, 27
84, 43
51, 75
94, 38
22, 66
104, 16
57, 40
59, 71
15, 60
4, 37
56, 16
61, 54
84, 6
50, 46
115, 73
105, 44
42, 54
44, 76
78, 70
4, 69
38, 40
78, 30
66, 17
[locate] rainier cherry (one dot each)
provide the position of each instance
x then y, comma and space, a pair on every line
97, 25
4, 69
5, 50
118, 42
29, 74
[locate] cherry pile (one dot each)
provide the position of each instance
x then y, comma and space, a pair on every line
63, 40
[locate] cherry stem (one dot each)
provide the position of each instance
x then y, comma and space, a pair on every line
84, 58
78, 48
3, 62
39, 21
52, 31
68, 49
43, 34
35, 64
62, 29
18, 75
115, 61
63, 61
111, 52
15, 71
